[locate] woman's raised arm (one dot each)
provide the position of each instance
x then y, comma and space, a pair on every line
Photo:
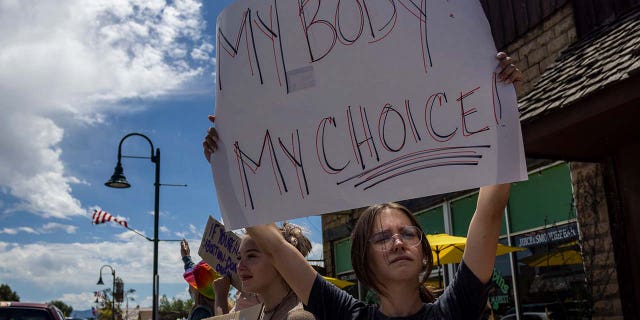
484, 230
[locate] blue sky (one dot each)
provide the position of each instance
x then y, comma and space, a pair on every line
75, 77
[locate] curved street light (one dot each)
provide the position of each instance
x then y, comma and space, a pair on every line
113, 289
119, 181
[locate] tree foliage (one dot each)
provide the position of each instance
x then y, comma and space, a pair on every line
6, 294
104, 305
65, 308
174, 307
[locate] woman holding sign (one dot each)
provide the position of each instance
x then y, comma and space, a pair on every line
390, 254
259, 276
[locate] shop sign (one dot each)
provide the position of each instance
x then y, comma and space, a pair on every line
554, 234
503, 295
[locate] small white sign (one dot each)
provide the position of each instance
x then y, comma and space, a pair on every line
220, 249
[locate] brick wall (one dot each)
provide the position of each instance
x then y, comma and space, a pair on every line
541, 45
595, 240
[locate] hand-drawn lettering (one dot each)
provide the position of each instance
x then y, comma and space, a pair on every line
421, 14
392, 134
382, 125
321, 147
315, 22
340, 33
297, 162
272, 33
245, 161
368, 137
466, 113
428, 117
412, 123
232, 49
389, 24
495, 98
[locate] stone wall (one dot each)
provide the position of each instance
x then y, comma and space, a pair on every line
541, 45
595, 240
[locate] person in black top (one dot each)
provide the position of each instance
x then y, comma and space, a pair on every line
390, 254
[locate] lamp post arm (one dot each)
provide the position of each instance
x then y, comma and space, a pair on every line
135, 134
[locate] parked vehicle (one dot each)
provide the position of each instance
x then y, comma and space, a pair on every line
29, 311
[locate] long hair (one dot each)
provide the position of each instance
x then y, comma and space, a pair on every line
360, 249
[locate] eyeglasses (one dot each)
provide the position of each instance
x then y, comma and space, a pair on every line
383, 241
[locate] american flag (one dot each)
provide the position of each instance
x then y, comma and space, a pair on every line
100, 216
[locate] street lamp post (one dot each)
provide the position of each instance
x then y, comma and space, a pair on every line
119, 181
113, 289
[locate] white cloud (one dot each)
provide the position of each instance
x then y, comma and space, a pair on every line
316, 251
164, 229
76, 266
78, 301
203, 52
46, 228
13, 231
78, 59
52, 227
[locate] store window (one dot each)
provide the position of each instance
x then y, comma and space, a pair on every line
545, 199
461, 212
432, 220
550, 272
342, 254
343, 267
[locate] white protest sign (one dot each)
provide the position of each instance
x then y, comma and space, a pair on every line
330, 105
250, 313
220, 249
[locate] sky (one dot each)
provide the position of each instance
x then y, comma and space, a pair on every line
75, 77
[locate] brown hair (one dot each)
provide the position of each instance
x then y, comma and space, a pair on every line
360, 249
293, 234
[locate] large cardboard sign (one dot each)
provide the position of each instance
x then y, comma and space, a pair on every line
330, 105
220, 249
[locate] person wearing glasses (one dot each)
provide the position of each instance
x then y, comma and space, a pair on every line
390, 254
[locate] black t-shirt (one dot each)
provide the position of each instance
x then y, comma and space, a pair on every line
464, 298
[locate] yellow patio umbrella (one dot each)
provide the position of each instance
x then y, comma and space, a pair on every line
448, 249
454, 254
563, 255
339, 283
442, 242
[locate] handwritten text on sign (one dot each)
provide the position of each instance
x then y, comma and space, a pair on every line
220, 249
330, 105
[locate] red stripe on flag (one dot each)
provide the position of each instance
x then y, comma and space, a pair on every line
100, 216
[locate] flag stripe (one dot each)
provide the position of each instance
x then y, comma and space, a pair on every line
100, 216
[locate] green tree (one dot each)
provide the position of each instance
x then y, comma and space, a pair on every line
174, 308
6, 294
104, 305
65, 308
